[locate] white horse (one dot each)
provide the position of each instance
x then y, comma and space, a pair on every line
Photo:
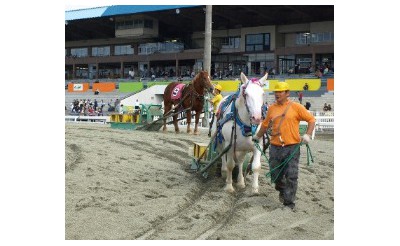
248, 107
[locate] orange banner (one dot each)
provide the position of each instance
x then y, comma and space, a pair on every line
78, 87
104, 86
329, 84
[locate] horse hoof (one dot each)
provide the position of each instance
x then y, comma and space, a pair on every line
229, 189
241, 185
255, 192
196, 133
177, 132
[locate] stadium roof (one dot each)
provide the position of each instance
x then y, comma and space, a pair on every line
117, 10
99, 22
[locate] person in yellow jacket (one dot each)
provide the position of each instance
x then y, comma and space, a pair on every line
282, 123
215, 102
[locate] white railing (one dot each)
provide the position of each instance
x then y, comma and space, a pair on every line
87, 119
322, 113
324, 123
321, 123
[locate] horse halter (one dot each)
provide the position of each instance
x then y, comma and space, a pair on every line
197, 94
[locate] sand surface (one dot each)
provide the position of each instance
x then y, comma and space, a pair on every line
122, 184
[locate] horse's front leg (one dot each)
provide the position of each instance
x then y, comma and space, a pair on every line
188, 120
240, 179
229, 164
256, 168
167, 108
196, 123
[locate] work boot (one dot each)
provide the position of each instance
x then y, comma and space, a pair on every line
290, 205
281, 197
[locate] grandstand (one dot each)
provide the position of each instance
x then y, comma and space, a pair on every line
160, 43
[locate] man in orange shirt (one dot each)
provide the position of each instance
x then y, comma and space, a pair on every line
282, 123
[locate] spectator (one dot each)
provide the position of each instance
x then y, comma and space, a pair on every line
305, 87
326, 70
97, 92
131, 74
137, 105
121, 109
325, 107
296, 69
91, 111
329, 107
308, 105
264, 110
318, 73
100, 111
300, 96
102, 104
116, 103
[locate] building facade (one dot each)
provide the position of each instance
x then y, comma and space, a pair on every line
122, 42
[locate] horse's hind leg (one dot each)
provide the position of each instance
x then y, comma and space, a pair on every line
175, 117
189, 120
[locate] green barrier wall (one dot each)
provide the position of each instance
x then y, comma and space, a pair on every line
130, 86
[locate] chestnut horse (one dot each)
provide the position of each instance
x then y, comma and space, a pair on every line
191, 99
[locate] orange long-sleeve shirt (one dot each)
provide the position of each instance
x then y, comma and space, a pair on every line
289, 129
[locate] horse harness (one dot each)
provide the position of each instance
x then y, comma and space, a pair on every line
195, 95
246, 130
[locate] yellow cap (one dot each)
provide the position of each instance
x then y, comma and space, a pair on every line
281, 86
218, 87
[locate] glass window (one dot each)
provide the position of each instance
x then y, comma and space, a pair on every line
123, 50
79, 52
230, 42
101, 51
320, 37
326, 37
124, 24
249, 47
313, 38
258, 42
137, 23
254, 39
225, 41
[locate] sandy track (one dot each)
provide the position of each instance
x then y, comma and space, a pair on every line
136, 185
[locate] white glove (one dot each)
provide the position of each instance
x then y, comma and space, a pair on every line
305, 138
206, 97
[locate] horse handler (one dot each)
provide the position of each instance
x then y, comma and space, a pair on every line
215, 101
282, 124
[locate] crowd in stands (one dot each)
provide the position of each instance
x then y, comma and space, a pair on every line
87, 107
